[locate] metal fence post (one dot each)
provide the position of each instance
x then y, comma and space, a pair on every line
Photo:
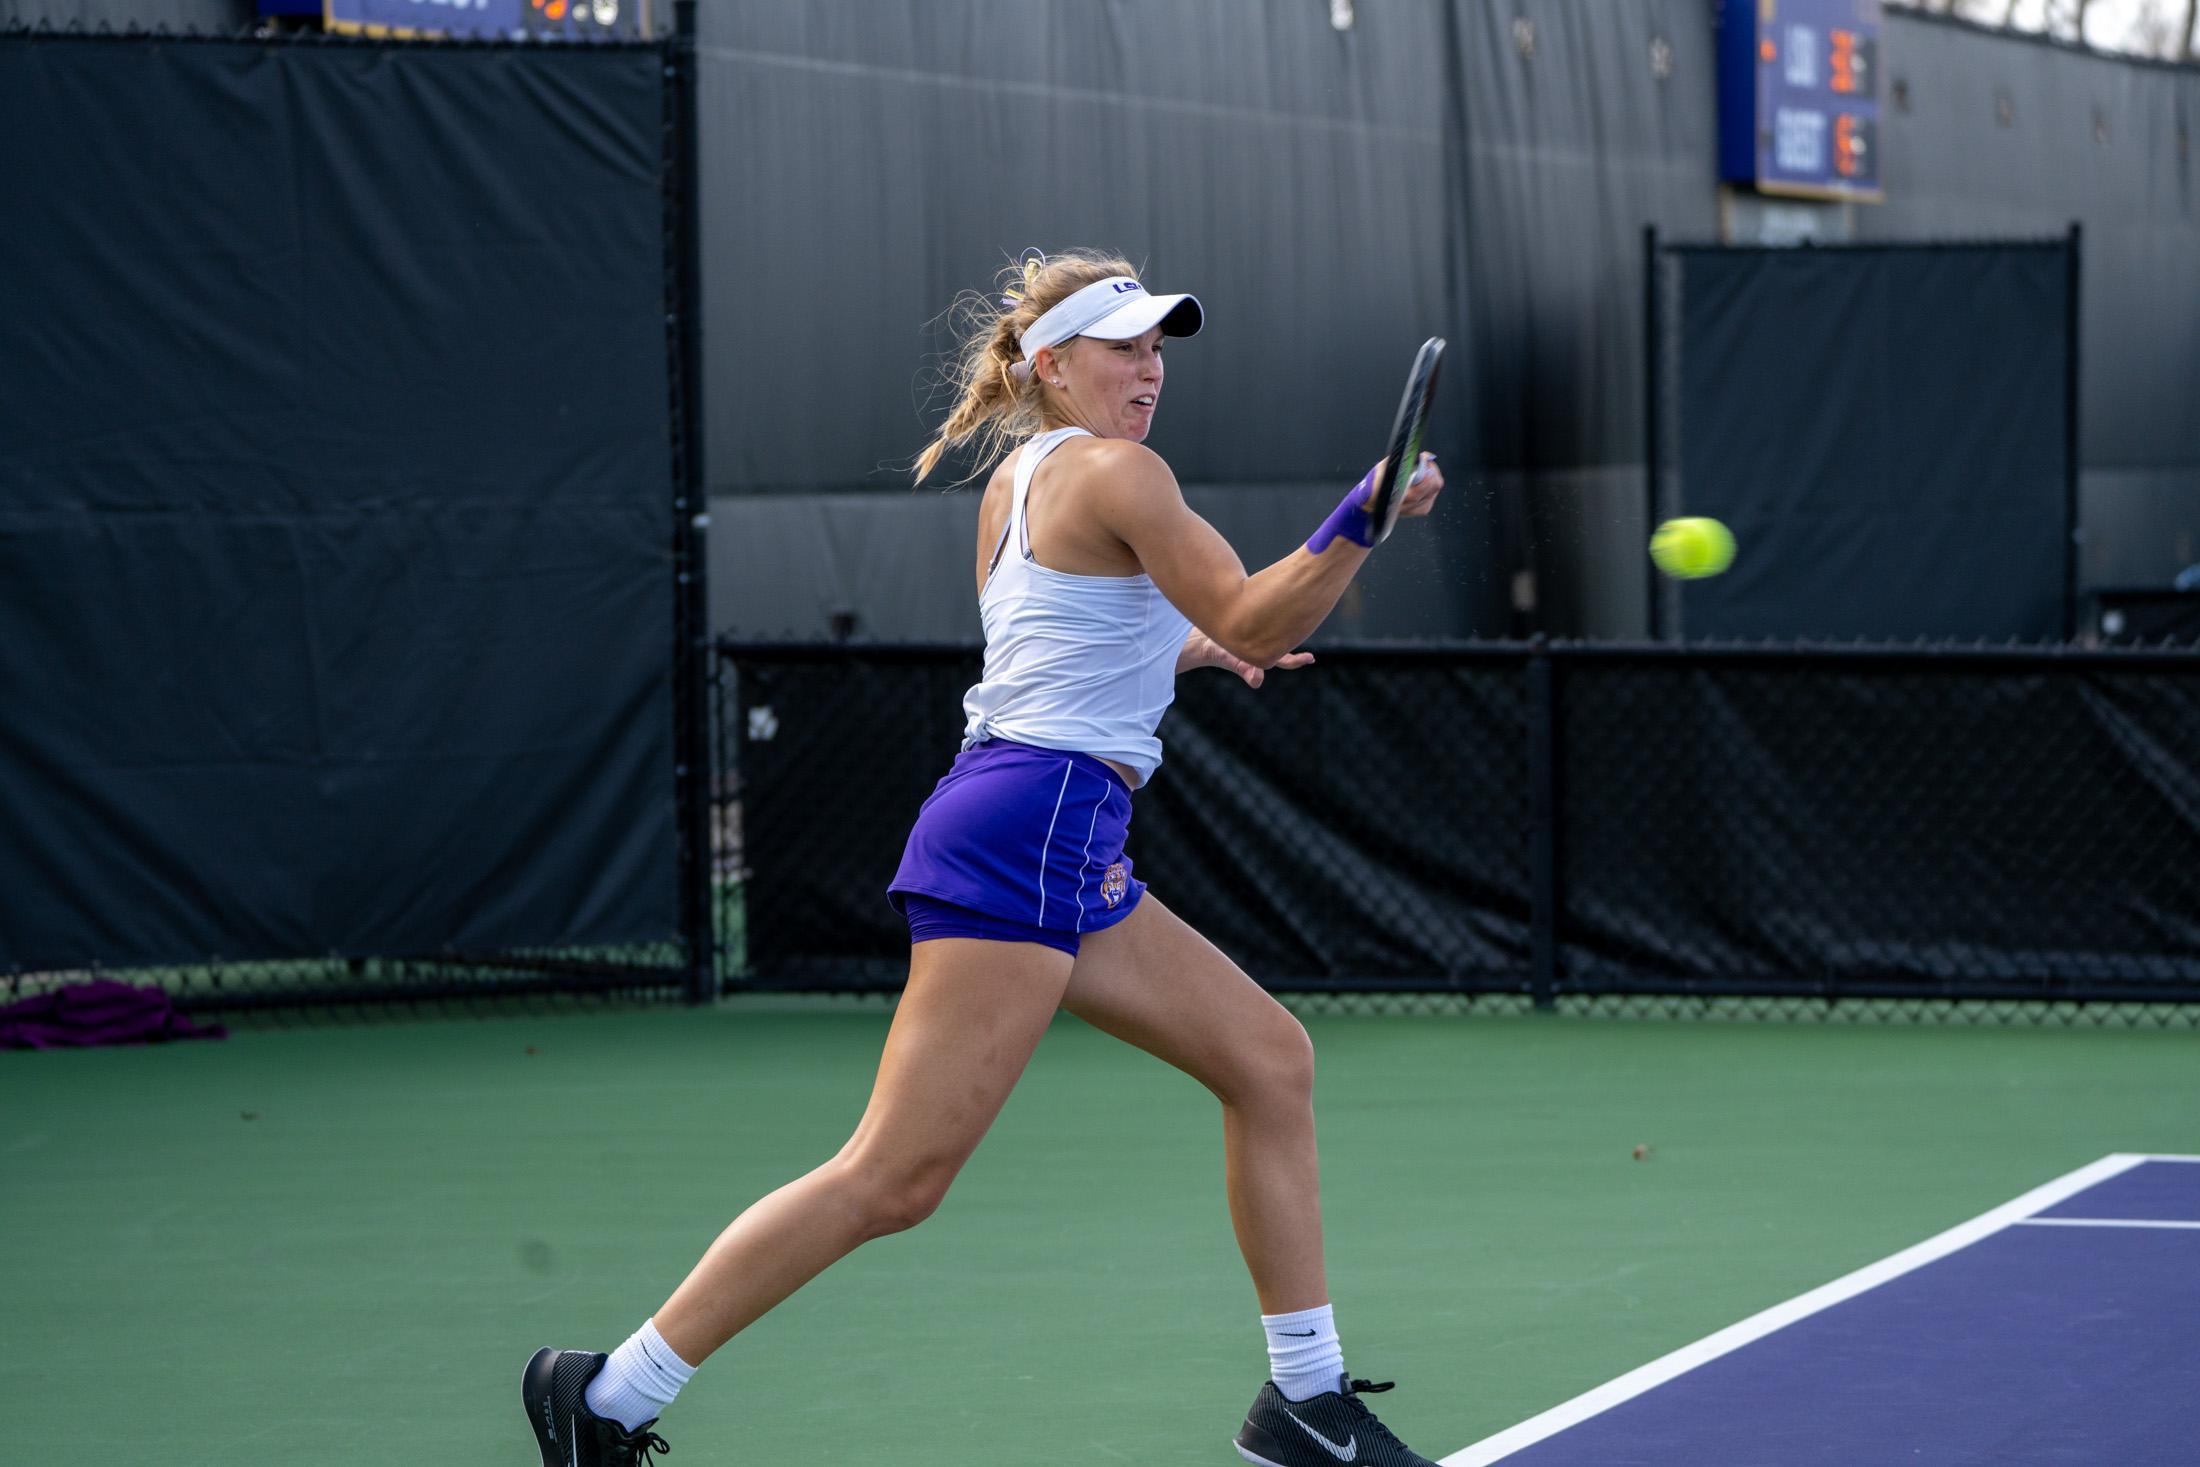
1650, 408
1543, 895
2073, 533
691, 504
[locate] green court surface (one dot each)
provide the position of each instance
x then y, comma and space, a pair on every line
339, 1245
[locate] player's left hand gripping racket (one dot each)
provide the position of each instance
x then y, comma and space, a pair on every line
1404, 455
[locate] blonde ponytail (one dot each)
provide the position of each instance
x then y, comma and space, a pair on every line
993, 405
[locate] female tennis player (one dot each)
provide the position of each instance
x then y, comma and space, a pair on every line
1097, 586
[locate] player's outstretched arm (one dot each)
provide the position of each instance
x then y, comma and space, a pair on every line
1256, 618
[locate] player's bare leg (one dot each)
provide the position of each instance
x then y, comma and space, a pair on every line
968, 1021
966, 1026
1154, 982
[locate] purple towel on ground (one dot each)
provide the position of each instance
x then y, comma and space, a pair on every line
99, 1012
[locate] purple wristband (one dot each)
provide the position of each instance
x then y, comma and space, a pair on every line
1349, 519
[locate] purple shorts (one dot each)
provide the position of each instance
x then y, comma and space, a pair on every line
929, 917
1027, 836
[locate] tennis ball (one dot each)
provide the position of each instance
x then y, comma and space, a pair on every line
1689, 549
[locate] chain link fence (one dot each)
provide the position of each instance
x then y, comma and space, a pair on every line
1880, 825
319, 989
1874, 834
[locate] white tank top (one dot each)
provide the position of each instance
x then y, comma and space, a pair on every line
1083, 663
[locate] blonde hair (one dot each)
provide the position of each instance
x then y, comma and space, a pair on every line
992, 404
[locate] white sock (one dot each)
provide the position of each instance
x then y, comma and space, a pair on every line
639, 1380
1304, 1358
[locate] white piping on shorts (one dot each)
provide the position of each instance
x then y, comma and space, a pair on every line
1085, 863
1048, 843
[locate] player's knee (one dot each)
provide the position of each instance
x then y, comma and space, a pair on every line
912, 1201
893, 1197
1277, 1063
1293, 1060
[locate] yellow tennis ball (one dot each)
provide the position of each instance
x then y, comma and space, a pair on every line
1689, 549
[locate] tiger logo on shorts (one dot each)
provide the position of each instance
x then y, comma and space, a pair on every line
1114, 884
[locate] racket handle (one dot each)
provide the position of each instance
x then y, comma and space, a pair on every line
1349, 519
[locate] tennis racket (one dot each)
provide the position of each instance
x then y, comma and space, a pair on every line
1404, 453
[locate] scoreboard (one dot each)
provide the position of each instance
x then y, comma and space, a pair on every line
1799, 96
571, 20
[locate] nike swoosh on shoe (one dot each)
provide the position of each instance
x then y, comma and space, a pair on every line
1345, 1453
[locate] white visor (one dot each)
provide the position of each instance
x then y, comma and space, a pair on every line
1114, 309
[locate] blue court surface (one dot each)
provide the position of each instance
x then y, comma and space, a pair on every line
2061, 1328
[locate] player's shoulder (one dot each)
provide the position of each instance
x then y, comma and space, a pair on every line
1112, 451
1118, 464
999, 485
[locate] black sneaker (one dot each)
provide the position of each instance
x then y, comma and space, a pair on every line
555, 1389
1333, 1429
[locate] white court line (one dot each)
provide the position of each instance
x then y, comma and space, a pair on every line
2100, 1222
1779, 1316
